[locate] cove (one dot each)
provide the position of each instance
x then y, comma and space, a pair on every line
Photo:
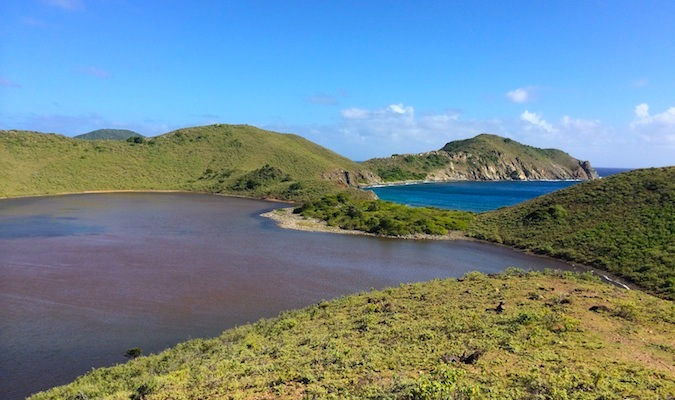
85, 277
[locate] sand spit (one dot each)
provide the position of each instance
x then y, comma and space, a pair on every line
285, 218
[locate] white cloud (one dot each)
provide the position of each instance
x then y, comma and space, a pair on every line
536, 121
401, 109
520, 95
354, 113
642, 110
658, 128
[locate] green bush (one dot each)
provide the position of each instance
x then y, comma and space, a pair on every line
383, 218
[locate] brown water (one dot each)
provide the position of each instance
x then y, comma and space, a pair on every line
83, 278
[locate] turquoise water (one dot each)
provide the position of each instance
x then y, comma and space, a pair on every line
475, 196
468, 196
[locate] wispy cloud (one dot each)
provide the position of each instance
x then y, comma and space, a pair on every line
95, 71
521, 95
68, 5
6, 83
535, 121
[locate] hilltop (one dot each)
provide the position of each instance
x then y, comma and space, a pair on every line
514, 335
484, 157
109, 134
228, 159
624, 224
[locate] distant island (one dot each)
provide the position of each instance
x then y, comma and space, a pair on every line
109, 134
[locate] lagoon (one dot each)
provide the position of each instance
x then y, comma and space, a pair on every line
83, 278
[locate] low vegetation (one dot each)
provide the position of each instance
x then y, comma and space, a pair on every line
383, 217
624, 224
511, 336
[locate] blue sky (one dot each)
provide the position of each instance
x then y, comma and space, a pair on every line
363, 78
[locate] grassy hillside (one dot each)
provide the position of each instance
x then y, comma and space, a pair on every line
233, 159
484, 157
624, 224
556, 337
109, 134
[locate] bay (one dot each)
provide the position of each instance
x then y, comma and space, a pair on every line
475, 196
83, 278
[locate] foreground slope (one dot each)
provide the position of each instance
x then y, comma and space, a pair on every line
232, 159
624, 224
484, 157
554, 336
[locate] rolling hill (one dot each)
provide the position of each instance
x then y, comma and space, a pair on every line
230, 159
624, 224
484, 157
109, 134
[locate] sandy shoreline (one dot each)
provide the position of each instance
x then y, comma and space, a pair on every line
285, 218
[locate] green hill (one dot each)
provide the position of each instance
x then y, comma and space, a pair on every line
109, 134
554, 336
232, 159
484, 157
624, 224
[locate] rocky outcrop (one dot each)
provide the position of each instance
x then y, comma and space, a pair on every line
352, 178
485, 158
465, 166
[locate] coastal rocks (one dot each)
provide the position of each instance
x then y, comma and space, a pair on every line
352, 178
478, 169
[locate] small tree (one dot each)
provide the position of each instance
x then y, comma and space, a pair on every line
133, 353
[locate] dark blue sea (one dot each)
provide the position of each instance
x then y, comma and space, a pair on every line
475, 196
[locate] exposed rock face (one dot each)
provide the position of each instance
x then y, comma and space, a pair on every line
352, 178
465, 166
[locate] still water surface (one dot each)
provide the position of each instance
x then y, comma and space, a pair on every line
85, 277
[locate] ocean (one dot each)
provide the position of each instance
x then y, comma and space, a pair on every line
475, 196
